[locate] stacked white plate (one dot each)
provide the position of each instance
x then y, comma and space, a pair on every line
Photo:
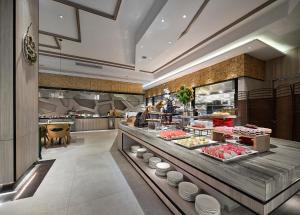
174, 178
207, 205
162, 168
153, 161
140, 152
134, 148
188, 191
147, 156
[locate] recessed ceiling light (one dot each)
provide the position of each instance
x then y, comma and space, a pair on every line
61, 16
162, 20
184, 16
170, 42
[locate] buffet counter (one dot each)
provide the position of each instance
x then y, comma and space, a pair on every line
86, 123
97, 123
259, 183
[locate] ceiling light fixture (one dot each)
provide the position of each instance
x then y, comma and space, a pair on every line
170, 42
162, 20
184, 16
61, 16
280, 47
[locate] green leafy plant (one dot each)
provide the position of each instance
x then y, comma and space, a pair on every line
184, 95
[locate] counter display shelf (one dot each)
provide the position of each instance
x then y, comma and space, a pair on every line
260, 183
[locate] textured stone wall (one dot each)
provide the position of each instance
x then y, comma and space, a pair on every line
72, 82
239, 66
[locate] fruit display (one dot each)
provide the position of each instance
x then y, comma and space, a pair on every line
194, 142
172, 134
226, 152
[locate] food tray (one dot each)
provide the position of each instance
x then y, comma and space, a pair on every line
175, 138
251, 152
210, 142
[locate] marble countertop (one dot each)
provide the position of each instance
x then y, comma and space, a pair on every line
262, 176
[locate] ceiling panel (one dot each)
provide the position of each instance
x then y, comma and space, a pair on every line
69, 67
101, 5
57, 18
215, 16
47, 40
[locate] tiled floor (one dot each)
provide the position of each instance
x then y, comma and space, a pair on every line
89, 177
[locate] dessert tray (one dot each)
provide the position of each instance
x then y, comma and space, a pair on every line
173, 134
194, 142
227, 152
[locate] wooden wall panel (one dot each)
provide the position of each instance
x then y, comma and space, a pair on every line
297, 118
242, 112
285, 69
71, 82
284, 117
261, 112
239, 66
26, 89
6, 91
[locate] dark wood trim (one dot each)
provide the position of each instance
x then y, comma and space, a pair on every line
57, 46
78, 39
93, 11
117, 9
85, 59
78, 24
239, 20
203, 5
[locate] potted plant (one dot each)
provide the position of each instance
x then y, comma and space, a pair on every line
184, 95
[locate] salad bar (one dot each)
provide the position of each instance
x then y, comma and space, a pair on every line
240, 177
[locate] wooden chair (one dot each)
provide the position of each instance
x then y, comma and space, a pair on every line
59, 132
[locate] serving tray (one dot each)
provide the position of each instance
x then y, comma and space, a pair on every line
175, 138
251, 152
210, 142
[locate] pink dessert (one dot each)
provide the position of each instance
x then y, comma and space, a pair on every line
172, 134
224, 129
225, 151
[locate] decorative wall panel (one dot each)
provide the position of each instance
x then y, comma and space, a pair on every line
239, 66
6, 91
26, 89
61, 102
71, 82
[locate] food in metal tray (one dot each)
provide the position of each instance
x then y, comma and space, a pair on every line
171, 134
193, 141
226, 151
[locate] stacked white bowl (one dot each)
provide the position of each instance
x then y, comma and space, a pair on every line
188, 191
153, 161
140, 152
162, 168
207, 205
174, 178
134, 148
147, 156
